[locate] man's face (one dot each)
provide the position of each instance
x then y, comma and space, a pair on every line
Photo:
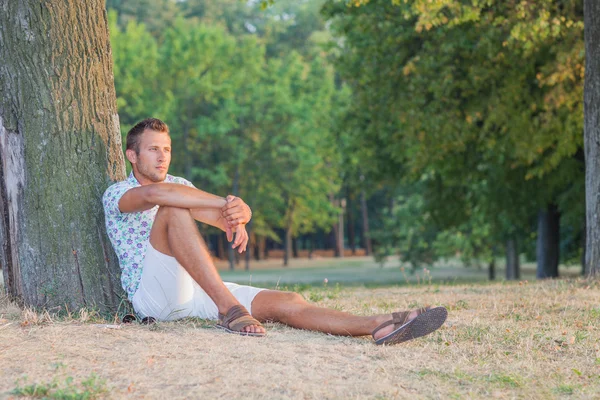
152, 162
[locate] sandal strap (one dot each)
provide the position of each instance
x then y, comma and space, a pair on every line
237, 318
233, 313
399, 319
242, 322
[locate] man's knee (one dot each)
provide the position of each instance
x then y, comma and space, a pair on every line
169, 211
293, 298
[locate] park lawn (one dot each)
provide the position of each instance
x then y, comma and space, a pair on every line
365, 271
502, 340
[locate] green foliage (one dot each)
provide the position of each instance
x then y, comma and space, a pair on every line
480, 102
250, 105
408, 231
467, 113
92, 387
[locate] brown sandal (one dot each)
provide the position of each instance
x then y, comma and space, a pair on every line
426, 321
236, 319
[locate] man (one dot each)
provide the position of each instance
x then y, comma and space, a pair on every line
167, 270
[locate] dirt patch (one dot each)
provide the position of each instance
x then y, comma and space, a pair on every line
537, 340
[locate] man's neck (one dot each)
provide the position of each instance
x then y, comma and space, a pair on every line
142, 180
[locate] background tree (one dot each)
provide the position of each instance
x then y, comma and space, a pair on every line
477, 102
592, 135
61, 148
456, 126
249, 105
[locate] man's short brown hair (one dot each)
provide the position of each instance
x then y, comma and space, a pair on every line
133, 136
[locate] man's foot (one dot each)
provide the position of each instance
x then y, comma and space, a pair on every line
381, 319
403, 326
239, 321
255, 329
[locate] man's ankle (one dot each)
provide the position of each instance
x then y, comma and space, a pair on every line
224, 308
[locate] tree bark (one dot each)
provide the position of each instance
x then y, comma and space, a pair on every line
60, 148
365, 223
513, 268
548, 242
591, 99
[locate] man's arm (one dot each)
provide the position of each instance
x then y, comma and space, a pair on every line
205, 207
168, 194
210, 216
213, 217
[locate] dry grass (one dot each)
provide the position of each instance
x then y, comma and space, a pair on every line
536, 340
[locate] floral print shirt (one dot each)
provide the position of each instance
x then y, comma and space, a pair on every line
129, 233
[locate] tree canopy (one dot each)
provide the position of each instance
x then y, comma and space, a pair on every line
461, 122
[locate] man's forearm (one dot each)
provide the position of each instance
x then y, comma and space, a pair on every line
182, 196
210, 216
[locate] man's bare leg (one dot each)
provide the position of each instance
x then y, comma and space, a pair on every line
175, 233
291, 309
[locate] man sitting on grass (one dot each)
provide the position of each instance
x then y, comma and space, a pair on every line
168, 272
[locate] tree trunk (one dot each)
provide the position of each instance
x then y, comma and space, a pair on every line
231, 256
591, 98
311, 245
288, 245
351, 229
548, 242
221, 245
513, 269
340, 232
295, 247
492, 270
260, 247
266, 250
60, 148
365, 223
332, 240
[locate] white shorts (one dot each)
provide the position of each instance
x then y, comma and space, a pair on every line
168, 292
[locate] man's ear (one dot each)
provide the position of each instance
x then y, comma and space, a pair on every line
131, 156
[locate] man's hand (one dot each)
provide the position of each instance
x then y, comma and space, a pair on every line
236, 212
241, 238
222, 223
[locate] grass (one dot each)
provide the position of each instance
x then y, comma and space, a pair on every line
363, 271
564, 389
527, 339
92, 387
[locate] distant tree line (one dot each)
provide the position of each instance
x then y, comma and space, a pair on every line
252, 104
471, 114
449, 129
